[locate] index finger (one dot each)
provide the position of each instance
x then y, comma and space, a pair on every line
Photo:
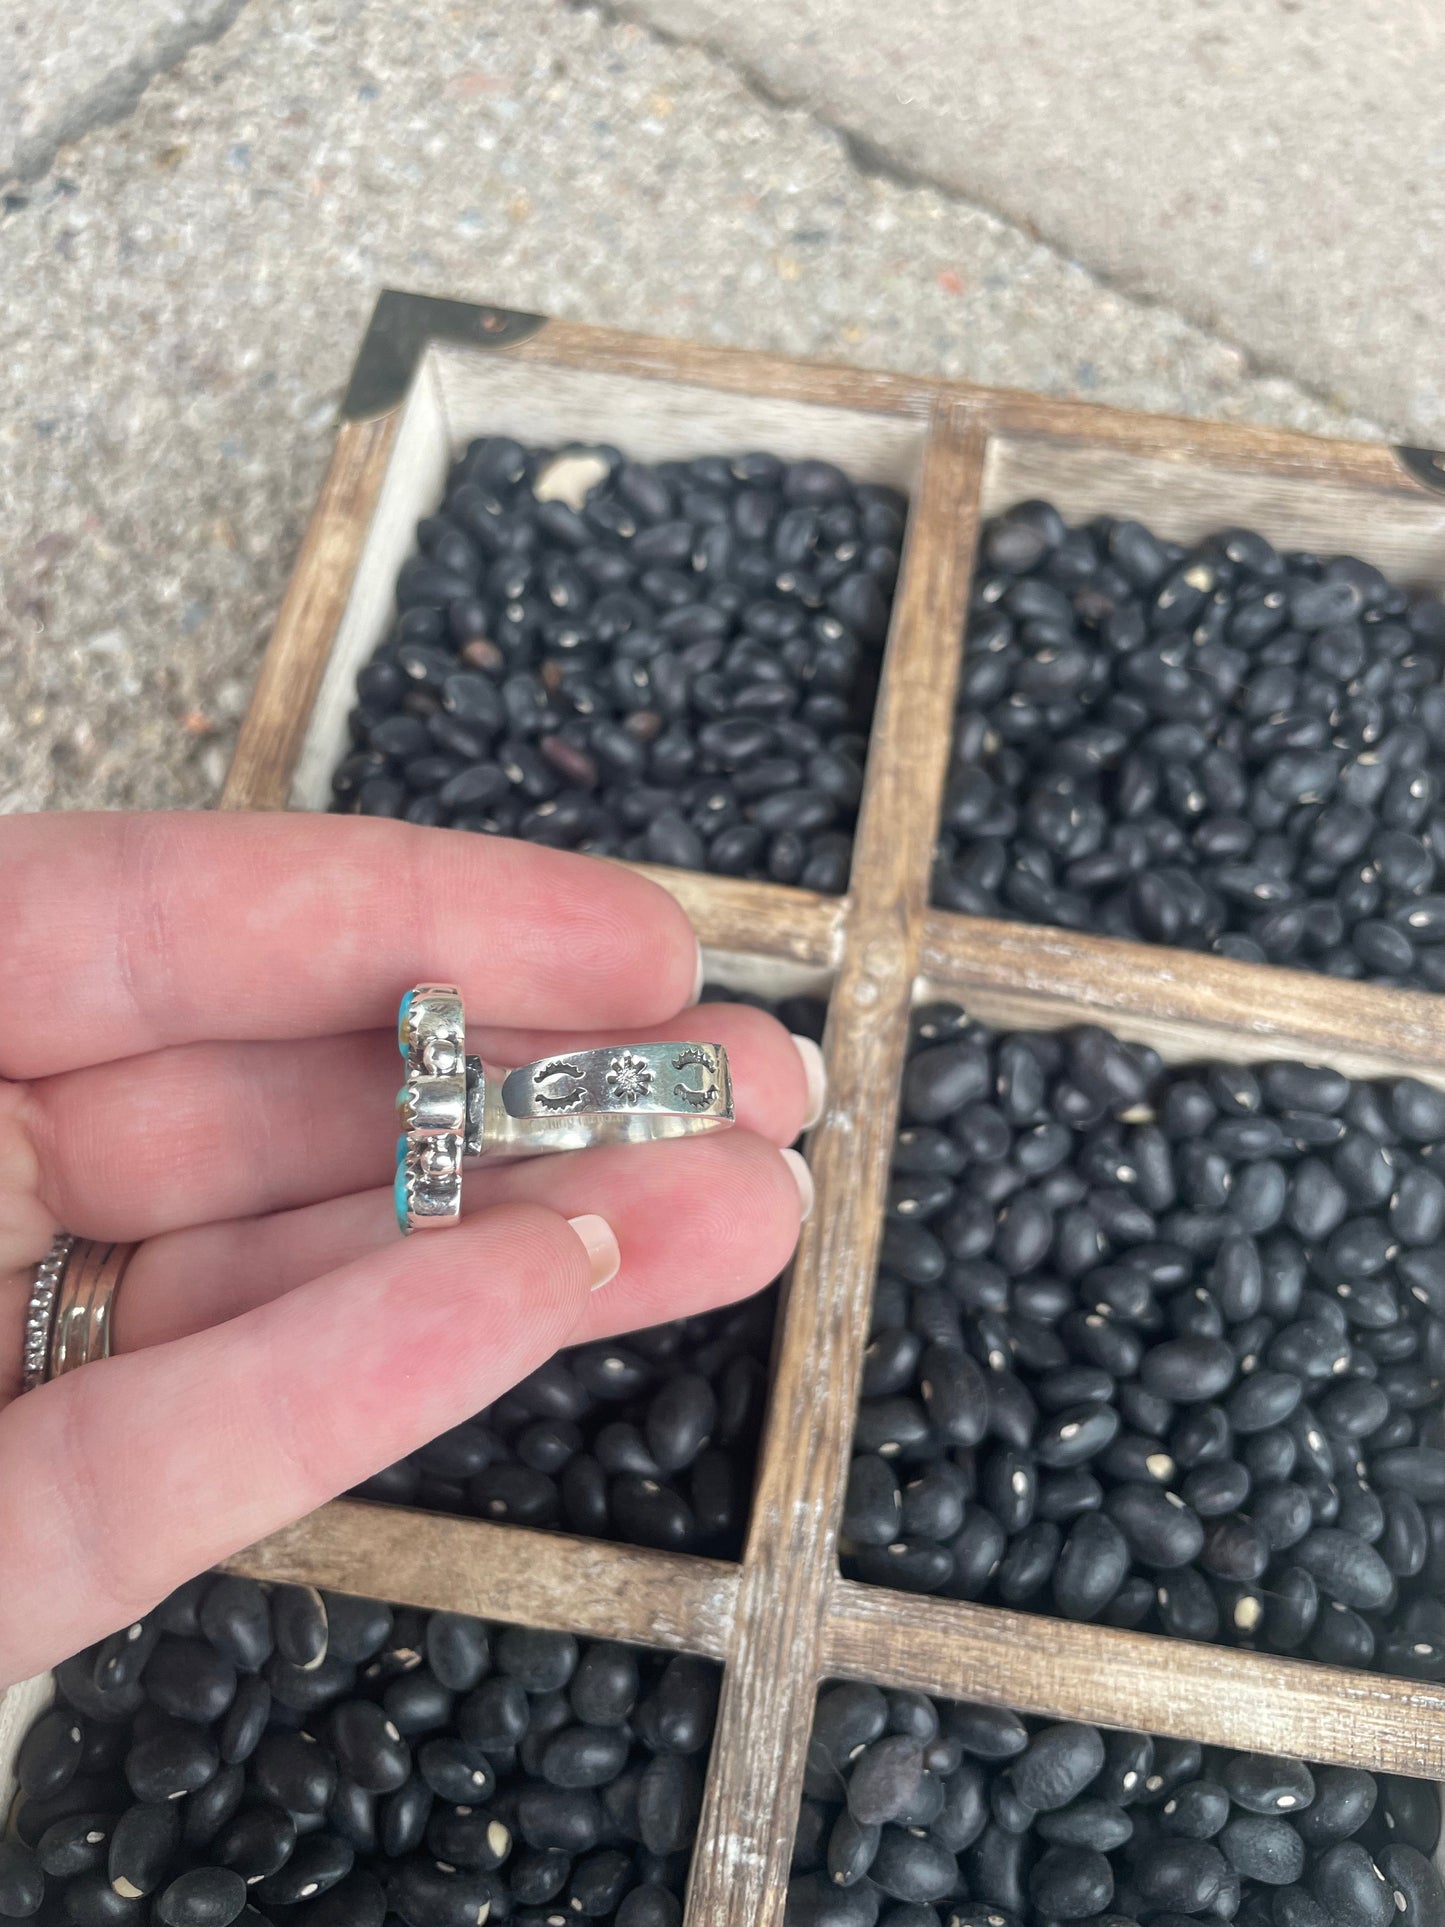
123, 933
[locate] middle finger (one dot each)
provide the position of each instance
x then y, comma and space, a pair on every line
208, 1132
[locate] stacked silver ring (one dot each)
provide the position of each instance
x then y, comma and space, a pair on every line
454, 1107
40, 1312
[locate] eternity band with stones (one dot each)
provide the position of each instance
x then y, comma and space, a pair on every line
453, 1106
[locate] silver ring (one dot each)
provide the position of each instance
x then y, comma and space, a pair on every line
40, 1312
454, 1107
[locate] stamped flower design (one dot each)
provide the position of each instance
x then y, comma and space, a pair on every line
629, 1078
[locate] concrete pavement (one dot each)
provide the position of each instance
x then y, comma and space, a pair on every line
185, 288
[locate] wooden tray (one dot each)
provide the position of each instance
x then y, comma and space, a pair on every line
432, 375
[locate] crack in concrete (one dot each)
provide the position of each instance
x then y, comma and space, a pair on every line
871, 159
115, 94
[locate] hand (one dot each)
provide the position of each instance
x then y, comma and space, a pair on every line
197, 1050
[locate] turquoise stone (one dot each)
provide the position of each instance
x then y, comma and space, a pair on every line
399, 1193
401, 1017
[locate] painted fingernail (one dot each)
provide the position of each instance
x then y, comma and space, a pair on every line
602, 1251
817, 1078
700, 979
803, 1178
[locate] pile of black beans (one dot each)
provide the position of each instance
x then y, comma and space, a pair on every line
1219, 747
923, 1813
1161, 1348
680, 670
310, 1759
650, 1438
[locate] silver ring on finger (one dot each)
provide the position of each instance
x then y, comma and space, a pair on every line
455, 1109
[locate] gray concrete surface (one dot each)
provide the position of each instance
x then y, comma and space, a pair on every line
68, 69
185, 289
1272, 169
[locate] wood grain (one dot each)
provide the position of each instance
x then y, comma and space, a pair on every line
442, 1563
279, 715
762, 919
1186, 1005
1094, 1673
745, 373
740, 1862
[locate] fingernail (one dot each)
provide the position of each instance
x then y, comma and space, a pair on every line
602, 1251
817, 1078
803, 1178
700, 979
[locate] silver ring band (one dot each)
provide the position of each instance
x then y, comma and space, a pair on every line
453, 1106
40, 1312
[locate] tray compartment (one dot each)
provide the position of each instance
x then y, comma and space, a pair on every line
1289, 811
1029, 1258
915, 1800
545, 1732
651, 421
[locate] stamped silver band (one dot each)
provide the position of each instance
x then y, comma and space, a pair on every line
454, 1107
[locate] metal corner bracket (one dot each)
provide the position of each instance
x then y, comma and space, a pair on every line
1426, 465
403, 325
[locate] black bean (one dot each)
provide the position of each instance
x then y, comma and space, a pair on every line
1179, 1875
204, 1897
258, 1841
298, 1614
293, 1770
1159, 1527
1264, 1849
1351, 1888
1058, 1763
1416, 1470
1197, 1810
1267, 1784
1071, 1883
49, 1755
416, 1702
190, 1679
669, 1798
22, 1884
1414, 1885
1344, 1800
1346, 1569
368, 1747
403, 1818
425, 1894
885, 1779
172, 1760
73, 1845
357, 1901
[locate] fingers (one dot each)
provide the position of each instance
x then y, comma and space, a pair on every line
209, 1132
124, 933
124, 1478
700, 1222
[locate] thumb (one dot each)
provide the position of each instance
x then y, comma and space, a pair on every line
121, 1480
